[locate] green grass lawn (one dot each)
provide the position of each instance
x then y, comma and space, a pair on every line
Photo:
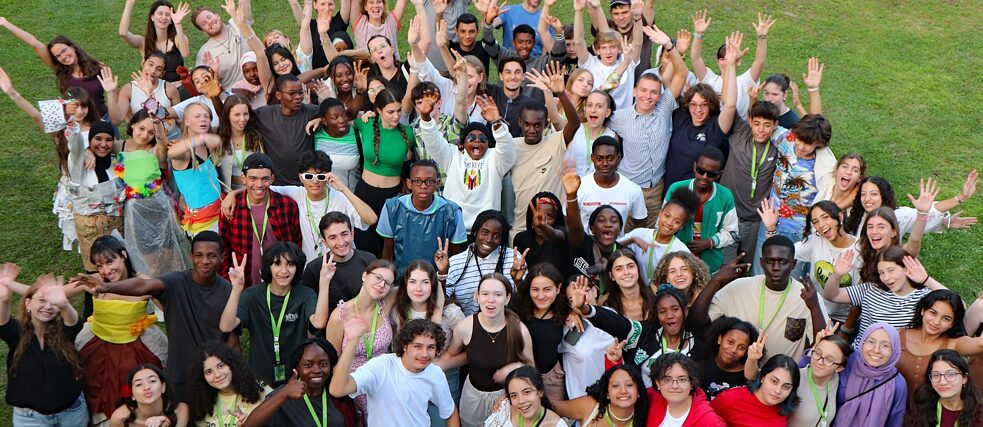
899, 88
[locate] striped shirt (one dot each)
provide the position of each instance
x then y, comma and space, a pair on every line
464, 274
879, 305
645, 139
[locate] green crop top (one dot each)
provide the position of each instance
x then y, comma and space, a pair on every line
392, 148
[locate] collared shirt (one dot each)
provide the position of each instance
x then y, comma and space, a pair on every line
284, 217
645, 139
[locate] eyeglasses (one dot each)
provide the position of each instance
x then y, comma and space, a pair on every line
700, 106
373, 90
423, 182
321, 177
950, 376
884, 346
376, 279
704, 172
293, 93
472, 137
666, 381
824, 360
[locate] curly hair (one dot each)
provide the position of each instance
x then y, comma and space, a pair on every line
599, 391
89, 66
857, 211
780, 361
614, 295
722, 326
707, 93
286, 252
667, 360
415, 328
53, 334
253, 142
383, 99
523, 304
202, 396
403, 303
698, 268
131, 404
923, 405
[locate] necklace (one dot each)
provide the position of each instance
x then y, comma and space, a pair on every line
493, 338
608, 415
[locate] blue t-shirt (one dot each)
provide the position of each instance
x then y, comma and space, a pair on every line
794, 187
415, 232
516, 16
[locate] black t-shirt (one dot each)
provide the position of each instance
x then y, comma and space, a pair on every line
478, 51
192, 312
687, 141
398, 81
509, 108
546, 336
583, 261
550, 251
254, 315
285, 139
318, 60
43, 381
789, 119
714, 380
347, 280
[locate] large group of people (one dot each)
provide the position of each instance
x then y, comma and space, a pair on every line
655, 241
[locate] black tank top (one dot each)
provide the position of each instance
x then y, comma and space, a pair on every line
486, 356
546, 336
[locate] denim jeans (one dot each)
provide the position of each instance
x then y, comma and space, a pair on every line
75, 416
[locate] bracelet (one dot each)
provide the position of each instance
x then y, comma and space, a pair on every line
442, 277
813, 89
571, 200
771, 232
762, 36
15, 96
250, 37
922, 213
669, 49
959, 199
922, 284
697, 35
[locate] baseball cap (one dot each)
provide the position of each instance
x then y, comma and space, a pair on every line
620, 2
258, 161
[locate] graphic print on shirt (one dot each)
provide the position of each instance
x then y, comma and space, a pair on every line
472, 174
822, 270
793, 182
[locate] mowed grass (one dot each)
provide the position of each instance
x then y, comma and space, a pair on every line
902, 87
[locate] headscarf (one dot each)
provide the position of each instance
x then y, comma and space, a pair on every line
102, 163
873, 408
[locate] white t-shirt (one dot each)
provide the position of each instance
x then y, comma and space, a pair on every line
821, 255
622, 94
671, 421
649, 259
626, 197
583, 363
744, 82
309, 219
398, 396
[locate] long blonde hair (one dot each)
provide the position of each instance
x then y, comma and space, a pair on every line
54, 337
216, 153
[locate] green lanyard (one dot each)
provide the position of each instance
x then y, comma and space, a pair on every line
665, 345
938, 415
542, 414
218, 411
324, 409
276, 324
314, 229
651, 268
238, 156
815, 395
761, 305
755, 162
266, 221
369, 340
607, 417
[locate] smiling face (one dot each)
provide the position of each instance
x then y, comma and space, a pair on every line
699, 109
40, 308
877, 349
64, 54
944, 387
647, 93
775, 387
475, 144
824, 224
543, 292
622, 390
512, 76
209, 23
597, 108
762, 128
880, 232
671, 219
314, 366
378, 282
143, 131
102, 144
324, 7
338, 239
475, 77
870, 196
893, 276
488, 238
110, 267
382, 52
206, 257
523, 44
524, 397
624, 271
733, 346
678, 273
848, 174
375, 8
418, 286
281, 64
466, 35
773, 93
217, 374
147, 387
492, 297
833, 359
291, 95
81, 110
313, 186
675, 384
938, 318
250, 73
418, 354
283, 271
343, 77
153, 67
606, 227
670, 315
239, 117
258, 182
161, 17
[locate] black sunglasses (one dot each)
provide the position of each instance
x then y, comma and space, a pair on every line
708, 174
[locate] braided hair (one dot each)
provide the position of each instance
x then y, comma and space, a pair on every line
483, 217
383, 99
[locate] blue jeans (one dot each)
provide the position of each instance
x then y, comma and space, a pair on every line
75, 416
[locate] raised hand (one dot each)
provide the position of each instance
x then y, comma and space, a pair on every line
768, 213
413, 33
656, 35
830, 329
796, 100
143, 83
733, 51
355, 325
614, 351
756, 350
335, 182
91, 283
460, 67
108, 81
571, 181
211, 61
815, 74
183, 9
426, 105
361, 76
683, 39
553, 22
295, 388
537, 215
237, 273
969, 187
594, 3
733, 269
53, 289
213, 87
957, 221
440, 258
636, 8
701, 21
809, 293
8, 273
5, 84
489, 110
519, 261
539, 81
440, 32
752, 92
494, 11
914, 269
439, 6
557, 76
577, 294
928, 190
328, 267
843, 264
764, 23
578, 5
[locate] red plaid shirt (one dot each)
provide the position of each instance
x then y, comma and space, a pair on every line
238, 231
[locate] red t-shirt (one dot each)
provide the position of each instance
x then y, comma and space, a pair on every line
740, 408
